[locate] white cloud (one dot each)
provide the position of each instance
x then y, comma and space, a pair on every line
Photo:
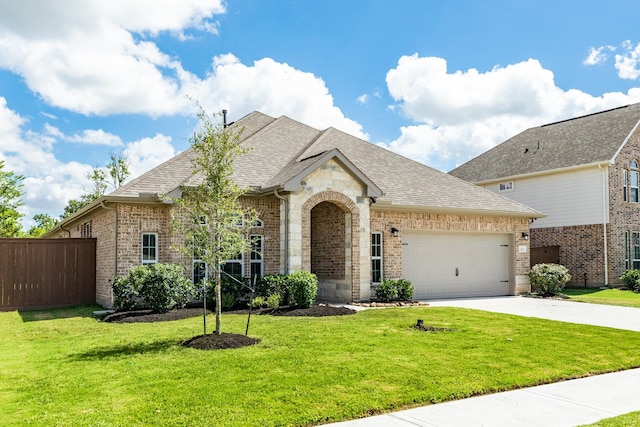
272, 88
362, 99
628, 63
461, 114
90, 56
598, 55
95, 137
148, 153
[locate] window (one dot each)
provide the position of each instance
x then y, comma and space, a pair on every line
234, 267
376, 258
635, 250
200, 270
634, 181
627, 250
258, 223
506, 186
256, 258
149, 248
85, 229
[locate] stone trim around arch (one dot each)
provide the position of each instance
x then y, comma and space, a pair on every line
347, 205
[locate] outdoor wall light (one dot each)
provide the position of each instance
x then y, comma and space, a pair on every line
525, 236
394, 231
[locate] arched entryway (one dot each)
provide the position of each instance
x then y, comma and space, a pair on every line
329, 245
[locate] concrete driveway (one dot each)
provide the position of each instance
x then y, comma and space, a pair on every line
565, 311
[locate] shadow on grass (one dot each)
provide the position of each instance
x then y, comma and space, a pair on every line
124, 350
58, 313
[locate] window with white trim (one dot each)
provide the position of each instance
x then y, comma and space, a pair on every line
634, 182
149, 248
200, 271
625, 188
505, 186
635, 250
234, 267
255, 259
376, 258
627, 250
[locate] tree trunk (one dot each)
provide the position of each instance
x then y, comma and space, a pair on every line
218, 300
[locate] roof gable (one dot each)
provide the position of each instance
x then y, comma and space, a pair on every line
579, 141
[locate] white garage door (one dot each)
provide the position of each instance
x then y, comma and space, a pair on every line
446, 265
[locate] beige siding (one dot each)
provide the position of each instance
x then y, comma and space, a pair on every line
569, 198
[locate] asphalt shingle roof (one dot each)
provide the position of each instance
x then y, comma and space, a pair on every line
281, 148
579, 141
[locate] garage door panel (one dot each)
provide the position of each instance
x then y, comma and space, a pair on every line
431, 260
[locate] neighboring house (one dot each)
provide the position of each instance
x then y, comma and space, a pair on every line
351, 212
584, 173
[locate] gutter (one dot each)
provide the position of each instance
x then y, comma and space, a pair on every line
286, 229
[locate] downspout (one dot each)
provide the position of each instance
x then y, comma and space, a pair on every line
286, 230
115, 238
605, 207
67, 230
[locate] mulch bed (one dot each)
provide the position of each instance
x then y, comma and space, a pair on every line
224, 340
219, 342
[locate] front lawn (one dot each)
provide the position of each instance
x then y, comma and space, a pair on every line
604, 296
627, 420
64, 368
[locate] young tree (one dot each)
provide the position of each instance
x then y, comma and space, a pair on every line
209, 216
10, 200
118, 169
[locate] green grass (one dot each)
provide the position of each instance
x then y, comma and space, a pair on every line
604, 296
628, 420
63, 368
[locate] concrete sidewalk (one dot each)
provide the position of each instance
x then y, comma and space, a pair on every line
565, 403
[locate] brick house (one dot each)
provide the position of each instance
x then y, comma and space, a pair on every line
349, 211
584, 173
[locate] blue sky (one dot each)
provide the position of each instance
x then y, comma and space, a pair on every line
437, 81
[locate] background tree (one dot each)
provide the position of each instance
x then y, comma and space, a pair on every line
118, 170
44, 223
209, 216
10, 200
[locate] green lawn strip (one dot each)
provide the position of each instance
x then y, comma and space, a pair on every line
627, 420
78, 371
604, 296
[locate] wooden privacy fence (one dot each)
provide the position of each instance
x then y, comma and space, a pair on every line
545, 255
43, 273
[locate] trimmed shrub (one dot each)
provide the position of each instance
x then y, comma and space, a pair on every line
303, 288
258, 302
273, 284
548, 279
273, 301
297, 289
386, 291
405, 289
631, 279
394, 290
155, 286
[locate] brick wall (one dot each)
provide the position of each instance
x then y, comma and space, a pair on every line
581, 250
327, 241
623, 215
